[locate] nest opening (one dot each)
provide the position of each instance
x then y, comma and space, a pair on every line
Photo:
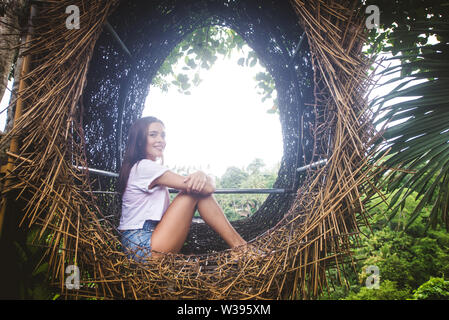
118, 84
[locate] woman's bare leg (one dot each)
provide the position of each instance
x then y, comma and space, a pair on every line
214, 216
172, 230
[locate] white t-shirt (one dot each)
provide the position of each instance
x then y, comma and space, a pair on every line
140, 203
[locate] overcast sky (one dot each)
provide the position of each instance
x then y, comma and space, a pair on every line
3, 105
222, 123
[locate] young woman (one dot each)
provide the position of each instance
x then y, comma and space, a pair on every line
149, 223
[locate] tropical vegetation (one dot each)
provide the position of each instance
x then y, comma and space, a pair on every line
415, 114
411, 263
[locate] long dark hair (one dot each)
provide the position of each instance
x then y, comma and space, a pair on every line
135, 149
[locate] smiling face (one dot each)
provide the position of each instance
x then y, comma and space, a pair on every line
155, 141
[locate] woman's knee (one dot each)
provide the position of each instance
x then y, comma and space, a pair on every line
195, 196
185, 195
185, 200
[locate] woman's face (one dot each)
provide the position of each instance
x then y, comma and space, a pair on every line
155, 141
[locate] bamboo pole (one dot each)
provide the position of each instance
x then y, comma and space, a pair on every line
14, 144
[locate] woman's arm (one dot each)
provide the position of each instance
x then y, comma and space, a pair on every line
198, 182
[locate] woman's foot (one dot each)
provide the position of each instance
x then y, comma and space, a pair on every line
247, 251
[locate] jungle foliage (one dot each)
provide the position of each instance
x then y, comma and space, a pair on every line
412, 263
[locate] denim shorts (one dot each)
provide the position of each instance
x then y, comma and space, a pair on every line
136, 243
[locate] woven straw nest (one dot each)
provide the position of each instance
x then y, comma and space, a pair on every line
312, 233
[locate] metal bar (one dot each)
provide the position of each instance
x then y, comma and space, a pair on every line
312, 165
117, 38
297, 46
99, 172
244, 191
115, 175
219, 191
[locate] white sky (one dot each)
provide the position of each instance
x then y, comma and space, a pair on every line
222, 123
3, 104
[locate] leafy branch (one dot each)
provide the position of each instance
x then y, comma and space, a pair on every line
199, 51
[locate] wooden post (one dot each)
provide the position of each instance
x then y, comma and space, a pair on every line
14, 144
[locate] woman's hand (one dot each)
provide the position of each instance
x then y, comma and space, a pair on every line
199, 182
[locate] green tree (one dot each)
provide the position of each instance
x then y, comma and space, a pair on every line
255, 176
255, 166
387, 291
405, 257
434, 289
232, 178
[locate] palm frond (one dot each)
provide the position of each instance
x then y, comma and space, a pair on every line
417, 131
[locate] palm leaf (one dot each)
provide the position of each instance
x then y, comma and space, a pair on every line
417, 136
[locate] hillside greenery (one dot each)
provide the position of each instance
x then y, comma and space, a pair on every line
412, 262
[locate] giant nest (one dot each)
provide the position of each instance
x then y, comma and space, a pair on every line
83, 90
